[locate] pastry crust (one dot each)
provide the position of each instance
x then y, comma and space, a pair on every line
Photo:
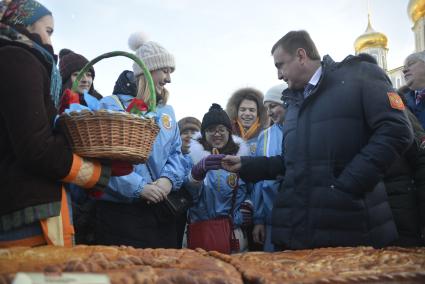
332, 265
122, 264
130, 265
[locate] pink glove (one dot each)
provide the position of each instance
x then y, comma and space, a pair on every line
211, 162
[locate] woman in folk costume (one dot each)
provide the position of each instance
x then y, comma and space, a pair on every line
269, 144
131, 210
35, 160
248, 115
217, 193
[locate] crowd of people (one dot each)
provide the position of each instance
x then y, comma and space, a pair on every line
333, 156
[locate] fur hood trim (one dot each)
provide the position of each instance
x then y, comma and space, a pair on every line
198, 152
237, 97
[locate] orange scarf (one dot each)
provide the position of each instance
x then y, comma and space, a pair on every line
246, 135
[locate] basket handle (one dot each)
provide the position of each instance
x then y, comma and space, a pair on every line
152, 103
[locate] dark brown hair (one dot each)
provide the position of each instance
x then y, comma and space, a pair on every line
298, 39
249, 97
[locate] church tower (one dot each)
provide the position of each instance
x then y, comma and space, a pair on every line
416, 11
373, 43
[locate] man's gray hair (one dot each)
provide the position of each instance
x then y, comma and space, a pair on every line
416, 56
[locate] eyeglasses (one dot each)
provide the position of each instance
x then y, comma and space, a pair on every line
219, 130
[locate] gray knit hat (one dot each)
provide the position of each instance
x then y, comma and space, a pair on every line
274, 94
153, 54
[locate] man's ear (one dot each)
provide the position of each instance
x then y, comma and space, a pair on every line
301, 55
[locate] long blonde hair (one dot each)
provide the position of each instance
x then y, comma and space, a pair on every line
144, 93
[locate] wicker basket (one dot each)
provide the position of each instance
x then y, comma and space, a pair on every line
111, 135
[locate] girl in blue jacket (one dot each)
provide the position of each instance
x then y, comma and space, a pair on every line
131, 211
213, 188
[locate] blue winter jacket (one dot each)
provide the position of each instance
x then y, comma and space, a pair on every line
269, 144
252, 145
418, 110
165, 160
188, 164
213, 196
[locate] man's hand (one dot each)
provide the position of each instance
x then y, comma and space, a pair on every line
231, 163
153, 193
259, 233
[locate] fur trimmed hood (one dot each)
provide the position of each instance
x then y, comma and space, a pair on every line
197, 151
237, 97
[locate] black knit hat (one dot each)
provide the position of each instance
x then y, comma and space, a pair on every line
216, 115
125, 84
70, 62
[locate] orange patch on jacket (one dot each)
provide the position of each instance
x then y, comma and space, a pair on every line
395, 101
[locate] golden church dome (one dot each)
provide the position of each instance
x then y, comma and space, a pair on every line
370, 38
416, 9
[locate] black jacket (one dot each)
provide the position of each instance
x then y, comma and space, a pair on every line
405, 184
338, 144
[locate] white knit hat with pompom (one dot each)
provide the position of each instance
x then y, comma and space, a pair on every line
153, 54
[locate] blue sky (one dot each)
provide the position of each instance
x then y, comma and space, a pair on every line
221, 45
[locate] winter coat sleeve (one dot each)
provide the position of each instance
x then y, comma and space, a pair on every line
258, 204
174, 168
416, 158
261, 168
129, 186
111, 103
256, 195
241, 196
194, 188
26, 113
391, 133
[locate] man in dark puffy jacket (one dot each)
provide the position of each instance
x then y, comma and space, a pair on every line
414, 74
344, 127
